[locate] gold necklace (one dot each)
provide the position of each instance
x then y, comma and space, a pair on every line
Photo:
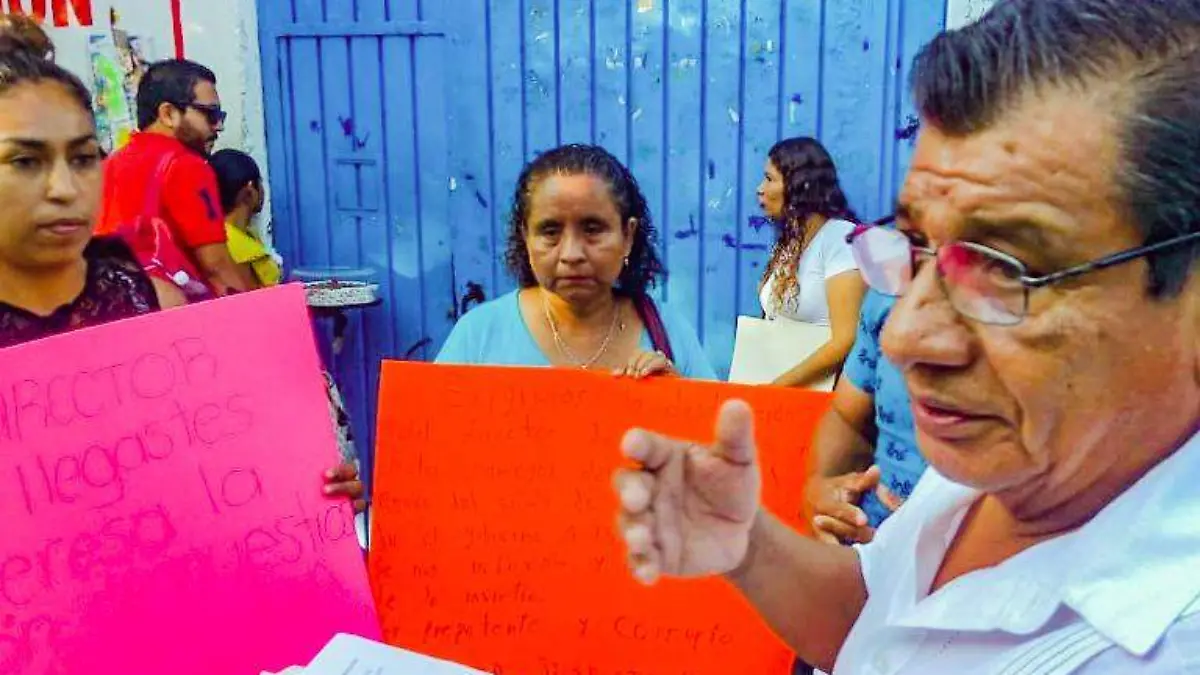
566, 350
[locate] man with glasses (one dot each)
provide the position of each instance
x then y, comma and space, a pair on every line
1048, 328
163, 172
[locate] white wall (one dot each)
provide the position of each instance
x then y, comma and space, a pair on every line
223, 35
71, 43
962, 12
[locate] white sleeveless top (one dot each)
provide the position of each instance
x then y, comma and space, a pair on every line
826, 256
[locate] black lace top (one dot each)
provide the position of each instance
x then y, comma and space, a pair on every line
116, 288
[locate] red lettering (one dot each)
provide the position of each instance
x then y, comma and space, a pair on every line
67, 470
149, 384
342, 515
198, 364
259, 545
240, 487
60, 9
202, 423
9, 577
82, 9
82, 555
39, 8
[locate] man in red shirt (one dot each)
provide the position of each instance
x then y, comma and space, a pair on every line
180, 116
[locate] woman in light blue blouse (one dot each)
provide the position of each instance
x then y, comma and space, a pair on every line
581, 245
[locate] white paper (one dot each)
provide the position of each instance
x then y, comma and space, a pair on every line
764, 350
353, 655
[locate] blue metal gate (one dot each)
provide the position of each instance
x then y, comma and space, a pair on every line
691, 94
397, 129
358, 162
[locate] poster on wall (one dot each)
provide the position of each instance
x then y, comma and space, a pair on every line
108, 44
114, 116
118, 61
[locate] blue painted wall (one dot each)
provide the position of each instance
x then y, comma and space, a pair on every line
691, 94
397, 128
358, 151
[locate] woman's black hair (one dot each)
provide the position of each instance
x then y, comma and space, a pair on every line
644, 268
810, 187
171, 81
20, 64
20, 32
235, 170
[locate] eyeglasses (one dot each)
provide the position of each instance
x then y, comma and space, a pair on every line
213, 113
982, 284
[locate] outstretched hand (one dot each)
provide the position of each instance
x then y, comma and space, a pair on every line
688, 509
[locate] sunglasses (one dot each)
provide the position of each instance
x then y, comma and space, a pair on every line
213, 113
982, 284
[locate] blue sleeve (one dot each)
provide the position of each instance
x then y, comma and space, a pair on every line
690, 358
461, 347
863, 363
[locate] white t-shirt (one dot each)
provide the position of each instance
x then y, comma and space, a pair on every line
826, 256
1120, 595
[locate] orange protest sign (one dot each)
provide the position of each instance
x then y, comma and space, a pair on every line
494, 544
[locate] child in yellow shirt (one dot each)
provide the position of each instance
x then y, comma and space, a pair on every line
239, 181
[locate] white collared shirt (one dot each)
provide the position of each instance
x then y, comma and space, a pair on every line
1119, 595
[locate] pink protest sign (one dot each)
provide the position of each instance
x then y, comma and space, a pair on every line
160, 490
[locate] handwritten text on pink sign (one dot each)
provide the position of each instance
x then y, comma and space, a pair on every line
160, 485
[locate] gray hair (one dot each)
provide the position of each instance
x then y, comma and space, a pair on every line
965, 80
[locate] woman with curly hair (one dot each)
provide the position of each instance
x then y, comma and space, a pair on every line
812, 276
581, 246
